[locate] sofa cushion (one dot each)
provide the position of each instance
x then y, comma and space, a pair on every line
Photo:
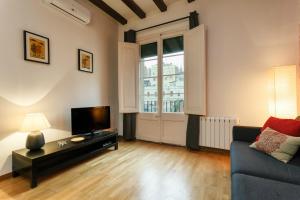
246, 160
281, 146
245, 187
287, 126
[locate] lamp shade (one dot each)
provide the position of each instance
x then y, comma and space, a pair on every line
35, 122
285, 88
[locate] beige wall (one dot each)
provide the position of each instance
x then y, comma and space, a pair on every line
55, 88
245, 38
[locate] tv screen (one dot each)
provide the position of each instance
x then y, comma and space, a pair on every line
88, 120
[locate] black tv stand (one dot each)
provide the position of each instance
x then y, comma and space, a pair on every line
53, 156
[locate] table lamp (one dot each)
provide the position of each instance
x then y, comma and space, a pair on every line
34, 123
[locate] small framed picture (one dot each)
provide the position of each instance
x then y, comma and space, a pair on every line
36, 48
85, 61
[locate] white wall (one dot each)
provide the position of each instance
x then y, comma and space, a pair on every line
52, 89
245, 38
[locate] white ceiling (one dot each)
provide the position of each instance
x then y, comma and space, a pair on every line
146, 5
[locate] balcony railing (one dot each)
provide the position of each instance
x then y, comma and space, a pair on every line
150, 106
168, 106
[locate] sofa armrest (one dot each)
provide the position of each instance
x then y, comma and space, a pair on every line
245, 133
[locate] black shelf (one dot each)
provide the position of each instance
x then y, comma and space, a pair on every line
51, 157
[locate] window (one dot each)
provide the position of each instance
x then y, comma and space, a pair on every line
149, 77
173, 75
162, 88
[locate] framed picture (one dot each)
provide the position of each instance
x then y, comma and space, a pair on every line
36, 48
85, 61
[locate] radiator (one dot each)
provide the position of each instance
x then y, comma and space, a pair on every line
216, 132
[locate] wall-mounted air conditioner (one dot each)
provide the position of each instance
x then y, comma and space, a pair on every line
72, 9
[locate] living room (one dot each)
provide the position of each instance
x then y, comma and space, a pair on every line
181, 88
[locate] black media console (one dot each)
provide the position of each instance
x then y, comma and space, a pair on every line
53, 156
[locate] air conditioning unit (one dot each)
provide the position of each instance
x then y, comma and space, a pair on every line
72, 9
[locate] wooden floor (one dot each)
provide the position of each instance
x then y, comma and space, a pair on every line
138, 171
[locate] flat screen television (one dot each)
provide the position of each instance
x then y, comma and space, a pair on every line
90, 120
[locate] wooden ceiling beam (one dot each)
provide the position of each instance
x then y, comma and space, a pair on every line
110, 11
161, 5
135, 8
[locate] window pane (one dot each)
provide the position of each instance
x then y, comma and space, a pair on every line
149, 95
149, 103
149, 67
173, 45
173, 93
148, 78
175, 105
173, 63
150, 86
173, 83
173, 75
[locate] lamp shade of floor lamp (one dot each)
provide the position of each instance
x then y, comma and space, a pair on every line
34, 123
285, 91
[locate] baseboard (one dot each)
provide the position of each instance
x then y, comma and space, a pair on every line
201, 148
121, 138
148, 139
5, 176
210, 149
162, 143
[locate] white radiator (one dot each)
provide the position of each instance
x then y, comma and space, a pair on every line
216, 132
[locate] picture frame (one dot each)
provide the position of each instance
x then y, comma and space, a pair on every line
36, 48
85, 61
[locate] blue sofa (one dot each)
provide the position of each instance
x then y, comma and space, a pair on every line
258, 176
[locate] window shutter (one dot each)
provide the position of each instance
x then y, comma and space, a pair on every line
195, 71
149, 50
173, 45
128, 73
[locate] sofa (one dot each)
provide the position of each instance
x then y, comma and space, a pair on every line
256, 175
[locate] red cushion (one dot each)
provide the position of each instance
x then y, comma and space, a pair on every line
287, 126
